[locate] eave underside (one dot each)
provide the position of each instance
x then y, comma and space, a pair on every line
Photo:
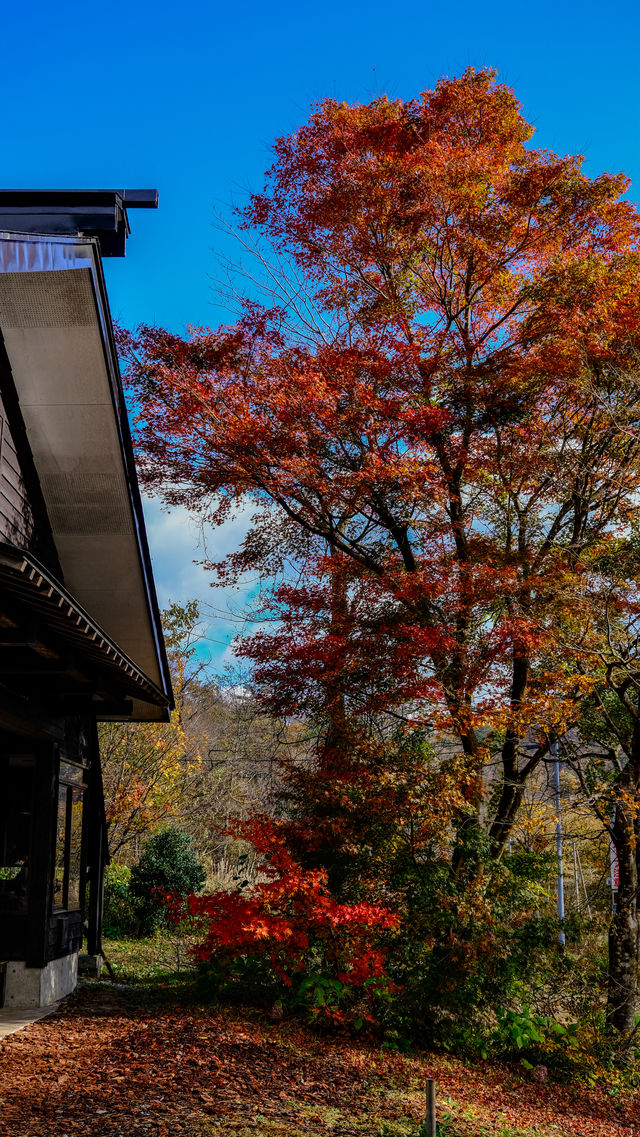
51, 649
55, 323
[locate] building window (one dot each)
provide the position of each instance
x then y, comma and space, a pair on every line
16, 814
68, 862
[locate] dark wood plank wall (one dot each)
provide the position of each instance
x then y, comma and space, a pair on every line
16, 518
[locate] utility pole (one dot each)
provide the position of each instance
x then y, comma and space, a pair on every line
576, 883
615, 870
584, 887
556, 771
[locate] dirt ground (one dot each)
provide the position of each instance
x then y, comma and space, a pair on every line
108, 1066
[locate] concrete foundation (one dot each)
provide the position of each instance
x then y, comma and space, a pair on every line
27, 987
90, 965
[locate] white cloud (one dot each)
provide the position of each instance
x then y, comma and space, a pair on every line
177, 540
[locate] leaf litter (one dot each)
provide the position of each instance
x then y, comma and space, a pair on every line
106, 1065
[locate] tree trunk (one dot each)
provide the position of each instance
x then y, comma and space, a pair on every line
513, 782
623, 932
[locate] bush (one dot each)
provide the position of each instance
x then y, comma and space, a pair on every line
288, 941
468, 943
120, 916
168, 864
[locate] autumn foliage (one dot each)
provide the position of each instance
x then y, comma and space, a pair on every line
290, 920
439, 404
106, 1063
442, 410
149, 769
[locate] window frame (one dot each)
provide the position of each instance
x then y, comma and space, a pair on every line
72, 779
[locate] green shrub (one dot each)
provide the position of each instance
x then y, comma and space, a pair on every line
468, 944
120, 916
168, 864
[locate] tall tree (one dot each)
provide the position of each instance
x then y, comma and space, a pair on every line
437, 396
601, 625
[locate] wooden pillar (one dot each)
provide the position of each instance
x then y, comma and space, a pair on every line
42, 855
97, 851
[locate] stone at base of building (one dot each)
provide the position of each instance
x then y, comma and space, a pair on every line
90, 965
27, 987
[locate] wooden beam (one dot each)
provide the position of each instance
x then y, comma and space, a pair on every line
113, 711
27, 637
43, 668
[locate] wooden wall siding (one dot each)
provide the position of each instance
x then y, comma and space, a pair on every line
16, 518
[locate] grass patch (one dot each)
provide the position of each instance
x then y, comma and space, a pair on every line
329, 1121
264, 1125
509, 1131
158, 964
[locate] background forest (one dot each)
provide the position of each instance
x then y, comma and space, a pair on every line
475, 968
433, 408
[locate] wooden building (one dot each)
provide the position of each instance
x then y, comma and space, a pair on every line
80, 636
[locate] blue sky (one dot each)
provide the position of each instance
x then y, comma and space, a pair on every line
187, 97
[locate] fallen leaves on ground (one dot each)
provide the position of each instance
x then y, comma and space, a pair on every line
104, 1066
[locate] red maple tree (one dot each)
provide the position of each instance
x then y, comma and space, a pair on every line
437, 398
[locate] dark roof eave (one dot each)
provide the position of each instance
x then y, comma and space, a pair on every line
31, 583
